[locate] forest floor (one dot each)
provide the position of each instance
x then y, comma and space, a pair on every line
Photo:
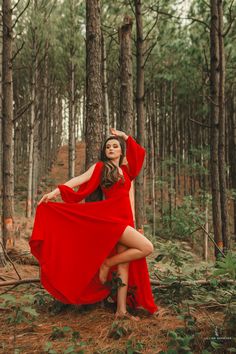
33, 322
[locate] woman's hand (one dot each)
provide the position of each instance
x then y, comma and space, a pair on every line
118, 133
48, 196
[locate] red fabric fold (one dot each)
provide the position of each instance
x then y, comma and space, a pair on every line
135, 155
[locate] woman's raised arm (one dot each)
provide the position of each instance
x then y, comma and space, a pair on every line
135, 153
73, 182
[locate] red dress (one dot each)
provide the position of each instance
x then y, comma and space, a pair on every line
71, 239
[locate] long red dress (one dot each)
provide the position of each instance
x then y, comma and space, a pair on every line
71, 239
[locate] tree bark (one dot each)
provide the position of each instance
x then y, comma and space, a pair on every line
106, 118
93, 135
71, 172
222, 166
71, 157
232, 151
2, 256
126, 77
139, 182
7, 114
214, 113
30, 190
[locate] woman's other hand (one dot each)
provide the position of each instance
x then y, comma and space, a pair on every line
116, 132
48, 196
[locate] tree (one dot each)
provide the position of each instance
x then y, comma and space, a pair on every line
93, 134
139, 182
7, 126
126, 77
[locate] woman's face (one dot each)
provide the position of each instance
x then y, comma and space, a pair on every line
113, 149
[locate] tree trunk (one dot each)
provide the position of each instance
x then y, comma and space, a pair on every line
72, 120
93, 135
72, 148
214, 113
106, 119
222, 167
2, 256
7, 127
139, 182
232, 151
126, 77
30, 192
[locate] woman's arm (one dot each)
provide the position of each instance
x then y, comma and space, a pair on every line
73, 182
77, 181
135, 153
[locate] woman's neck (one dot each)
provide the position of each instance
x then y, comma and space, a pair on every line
116, 162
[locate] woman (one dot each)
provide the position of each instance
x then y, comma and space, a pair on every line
80, 245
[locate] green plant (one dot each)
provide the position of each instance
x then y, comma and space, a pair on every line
183, 340
117, 330
226, 266
134, 347
21, 310
115, 283
179, 342
183, 219
58, 333
42, 298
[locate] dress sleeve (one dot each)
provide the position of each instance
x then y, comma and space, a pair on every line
68, 195
135, 155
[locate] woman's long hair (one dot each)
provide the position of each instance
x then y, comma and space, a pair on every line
110, 172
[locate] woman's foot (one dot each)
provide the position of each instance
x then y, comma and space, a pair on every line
103, 272
126, 314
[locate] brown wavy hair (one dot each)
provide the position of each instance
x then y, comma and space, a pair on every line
110, 172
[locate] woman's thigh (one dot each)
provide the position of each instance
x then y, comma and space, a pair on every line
131, 238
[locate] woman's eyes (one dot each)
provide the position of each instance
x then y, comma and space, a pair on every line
114, 146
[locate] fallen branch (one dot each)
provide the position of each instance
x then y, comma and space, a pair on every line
7, 256
189, 283
153, 282
21, 281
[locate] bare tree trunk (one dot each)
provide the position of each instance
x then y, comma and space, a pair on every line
93, 135
72, 148
214, 141
232, 151
30, 194
139, 182
45, 111
162, 142
72, 121
126, 77
2, 256
1, 175
153, 175
222, 167
7, 127
105, 92
206, 233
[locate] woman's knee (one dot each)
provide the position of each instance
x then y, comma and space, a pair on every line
148, 248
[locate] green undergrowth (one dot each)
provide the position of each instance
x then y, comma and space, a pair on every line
190, 286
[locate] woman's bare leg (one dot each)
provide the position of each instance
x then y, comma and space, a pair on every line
123, 273
138, 247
